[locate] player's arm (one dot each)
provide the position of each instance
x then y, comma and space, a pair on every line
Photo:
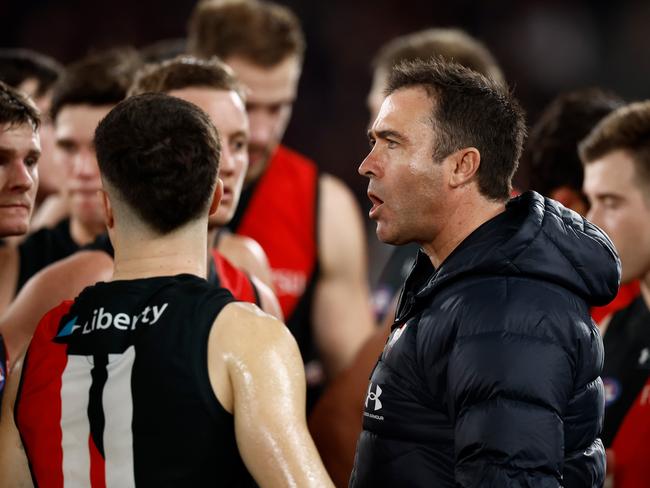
257, 373
60, 281
248, 255
268, 301
9, 264
14, 470
342, 315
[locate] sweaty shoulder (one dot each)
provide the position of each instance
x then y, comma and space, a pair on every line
245, 339
244, 327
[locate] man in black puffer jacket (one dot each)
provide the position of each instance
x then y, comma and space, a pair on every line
490, 377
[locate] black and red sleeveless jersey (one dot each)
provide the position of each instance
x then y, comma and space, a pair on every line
627, 292
280, 212
115, 390
626, 376
233, 279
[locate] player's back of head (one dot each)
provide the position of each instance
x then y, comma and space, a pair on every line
20, 65
551, 153
158, 156
101, 78
186, 72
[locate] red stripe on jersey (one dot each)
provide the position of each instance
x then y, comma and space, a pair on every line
281, 216
626, 295
38, 406
631, 447
233, 279
97, 465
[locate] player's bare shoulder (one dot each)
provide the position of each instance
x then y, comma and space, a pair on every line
243, 328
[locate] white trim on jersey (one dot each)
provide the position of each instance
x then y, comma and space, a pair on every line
75, 428
117, 403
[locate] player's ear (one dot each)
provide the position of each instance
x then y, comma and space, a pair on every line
109, 217
216, 197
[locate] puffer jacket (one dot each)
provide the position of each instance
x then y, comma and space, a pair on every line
490, 377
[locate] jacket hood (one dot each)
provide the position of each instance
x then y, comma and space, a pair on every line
537, 238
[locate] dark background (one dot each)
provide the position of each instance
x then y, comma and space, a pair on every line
544, 47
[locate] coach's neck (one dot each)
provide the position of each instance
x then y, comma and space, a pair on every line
466, 210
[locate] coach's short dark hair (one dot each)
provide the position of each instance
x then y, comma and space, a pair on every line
161, 155
20, 65
102, 78
469, 110
17, 109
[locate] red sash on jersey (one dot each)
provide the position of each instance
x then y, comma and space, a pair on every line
39, 417
233, 279
626, 294
281, 216
631, 445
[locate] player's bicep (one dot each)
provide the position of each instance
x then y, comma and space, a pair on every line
268, 386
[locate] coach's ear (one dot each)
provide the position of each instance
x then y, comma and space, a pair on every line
216, 197
109, 218
465, 164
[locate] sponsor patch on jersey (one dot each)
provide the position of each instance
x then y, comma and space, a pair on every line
612, 390
103, 319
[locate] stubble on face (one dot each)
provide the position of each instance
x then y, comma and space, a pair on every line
403, 175
271, 93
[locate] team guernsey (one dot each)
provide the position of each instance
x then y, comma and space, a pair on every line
280, 212
123, 371
626, 376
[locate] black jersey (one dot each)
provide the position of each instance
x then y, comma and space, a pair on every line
42, 248
123, 372
626, 376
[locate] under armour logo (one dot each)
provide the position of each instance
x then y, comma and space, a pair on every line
643, 357
373, 396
